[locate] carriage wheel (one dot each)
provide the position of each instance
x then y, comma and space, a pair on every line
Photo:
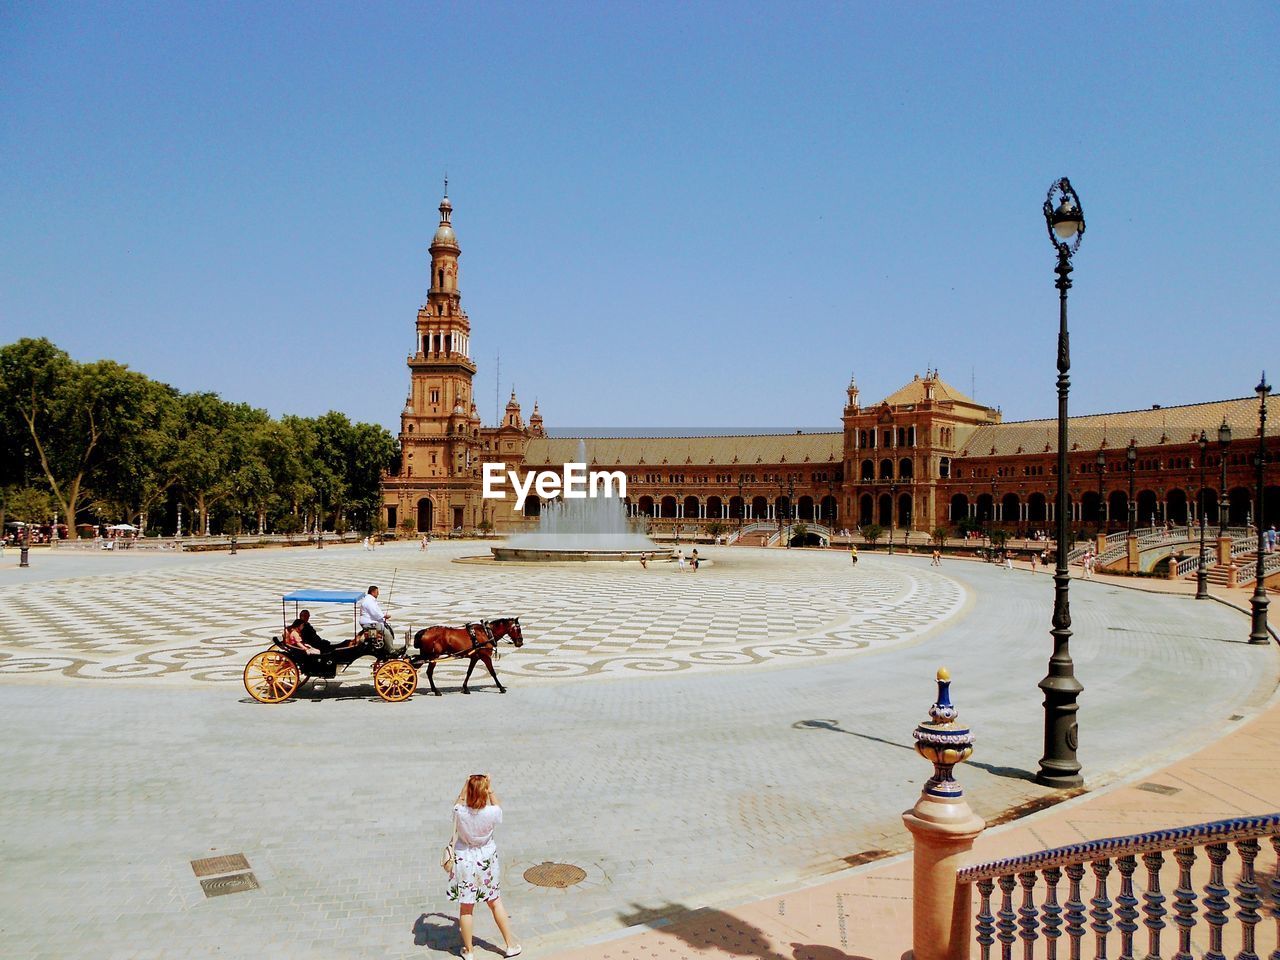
271, 677
395, 680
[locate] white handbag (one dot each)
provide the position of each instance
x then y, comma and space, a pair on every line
448, 856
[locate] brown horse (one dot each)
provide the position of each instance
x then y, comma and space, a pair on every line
478, 641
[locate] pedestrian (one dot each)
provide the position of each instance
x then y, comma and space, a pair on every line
1033, 561
693, 560
1271, 539
937, 558
423, 545
1008, 562
476, 873
644, 561
853, 553
680, 560
366, 544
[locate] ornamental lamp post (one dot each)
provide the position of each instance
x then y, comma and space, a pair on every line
1202, 571
893, 510
1259, 600
1224, 441
1102, 472
1059, 766
1131, 462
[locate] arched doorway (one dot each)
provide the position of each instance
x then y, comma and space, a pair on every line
804, 508
905, 470
866, 510
532, 507
782, 508
886, 510
426, 514
735, 508
715, 507
959, 508
868, 470
646, 506
1271, 507
904, 510
1148, 509
829, 511
1009, 508
691, 508
759, 508
1036, 509
1177, 503
886, 469
668, 508
986, 508
1091, 507
1240, 505
1118, 507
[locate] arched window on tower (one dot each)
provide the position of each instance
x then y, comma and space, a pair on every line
440, 279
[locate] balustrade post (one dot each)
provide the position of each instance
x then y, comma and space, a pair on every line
943, 828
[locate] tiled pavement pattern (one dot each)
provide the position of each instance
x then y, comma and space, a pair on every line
675, 792
202, 621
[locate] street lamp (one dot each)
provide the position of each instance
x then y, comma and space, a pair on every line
1102, 472
893, 511
1131, 462
1259, 600
1202, 572
1224, 441
1059, 766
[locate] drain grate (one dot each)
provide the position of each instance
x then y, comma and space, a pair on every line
210, 866
1159, 788
558, 875
235, 883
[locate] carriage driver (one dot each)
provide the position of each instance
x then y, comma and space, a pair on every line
372, 617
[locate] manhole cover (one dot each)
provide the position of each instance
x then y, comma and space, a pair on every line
211, 865
236, 883
559, 875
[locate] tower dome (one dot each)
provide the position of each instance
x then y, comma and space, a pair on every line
444, 233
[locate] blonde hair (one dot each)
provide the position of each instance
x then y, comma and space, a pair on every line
479, 793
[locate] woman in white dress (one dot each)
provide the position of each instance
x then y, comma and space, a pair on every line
476, 872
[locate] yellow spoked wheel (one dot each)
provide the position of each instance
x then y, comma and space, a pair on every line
271, 677
395, 680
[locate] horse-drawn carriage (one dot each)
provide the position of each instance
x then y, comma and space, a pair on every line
277, 673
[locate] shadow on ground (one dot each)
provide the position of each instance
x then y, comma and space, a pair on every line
439, 932
1011, 773
707, 929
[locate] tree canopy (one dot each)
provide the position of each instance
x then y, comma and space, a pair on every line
98, 441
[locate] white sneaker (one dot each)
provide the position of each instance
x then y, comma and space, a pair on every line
514, 951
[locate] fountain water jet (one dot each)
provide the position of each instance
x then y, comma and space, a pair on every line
592, 528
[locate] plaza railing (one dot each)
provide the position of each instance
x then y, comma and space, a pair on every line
1199, 857
1188, 564
1249, 572
1242, 545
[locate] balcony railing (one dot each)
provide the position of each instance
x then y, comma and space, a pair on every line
1111, 922
1249, 572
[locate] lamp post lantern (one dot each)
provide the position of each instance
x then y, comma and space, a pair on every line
1059, 767
1202, 571
1224, 441
1259, 601
1131, 462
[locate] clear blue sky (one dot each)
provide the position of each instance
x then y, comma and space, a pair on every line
693, 214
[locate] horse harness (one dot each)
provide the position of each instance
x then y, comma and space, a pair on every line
477, 644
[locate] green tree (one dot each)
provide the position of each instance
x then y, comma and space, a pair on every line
940, 535
872, 532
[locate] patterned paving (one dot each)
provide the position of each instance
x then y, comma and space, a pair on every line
202, 620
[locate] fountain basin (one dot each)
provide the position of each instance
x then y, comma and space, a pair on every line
544, 555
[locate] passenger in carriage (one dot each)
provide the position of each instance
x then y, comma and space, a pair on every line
293, 638
309, 635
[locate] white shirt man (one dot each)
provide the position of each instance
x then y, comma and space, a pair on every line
371, 614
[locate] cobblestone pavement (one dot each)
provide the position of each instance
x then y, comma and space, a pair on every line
693, 786
198, 621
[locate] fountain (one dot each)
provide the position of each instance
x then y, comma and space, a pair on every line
593, 528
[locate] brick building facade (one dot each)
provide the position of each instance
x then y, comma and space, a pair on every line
923, 457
